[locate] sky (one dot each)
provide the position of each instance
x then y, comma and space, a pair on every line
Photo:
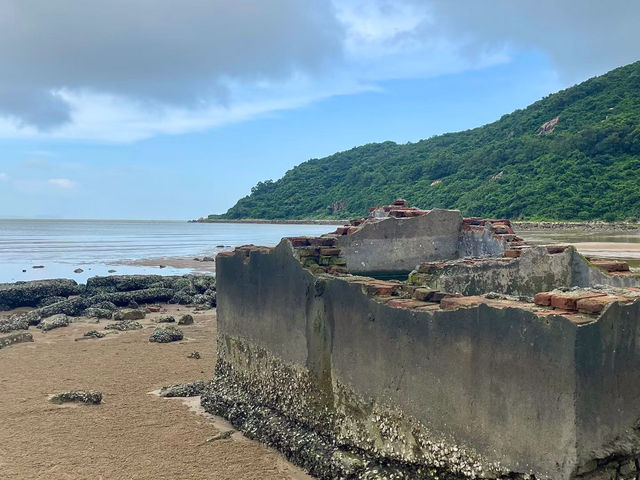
158, 109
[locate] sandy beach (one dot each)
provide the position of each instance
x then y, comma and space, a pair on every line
133, 433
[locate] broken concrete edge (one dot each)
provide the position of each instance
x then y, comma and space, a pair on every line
413, 294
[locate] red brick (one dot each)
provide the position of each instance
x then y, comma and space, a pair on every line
227, 254
299, 241
342, 230
381, 288
400, 201
351, 230
543, 298
556, 248
569, 302
597, 304
512, 253
406, 303
611, 265
322, 241
502, 229
452, 303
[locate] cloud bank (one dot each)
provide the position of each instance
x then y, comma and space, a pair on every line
124, 70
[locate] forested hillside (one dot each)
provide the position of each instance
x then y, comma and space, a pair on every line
586, 166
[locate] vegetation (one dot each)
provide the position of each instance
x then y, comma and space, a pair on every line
587, 168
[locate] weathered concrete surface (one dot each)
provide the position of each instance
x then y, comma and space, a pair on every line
534, 271
399, 244
476, 391
608, 384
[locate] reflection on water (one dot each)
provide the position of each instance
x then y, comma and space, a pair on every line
624, 245
97, 246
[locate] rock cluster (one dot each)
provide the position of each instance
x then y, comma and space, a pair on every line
101, 297
30, 294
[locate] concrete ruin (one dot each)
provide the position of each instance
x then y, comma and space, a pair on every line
492, 359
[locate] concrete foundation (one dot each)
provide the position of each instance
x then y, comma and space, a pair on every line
352, 377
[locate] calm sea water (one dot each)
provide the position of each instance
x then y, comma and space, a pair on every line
97, 246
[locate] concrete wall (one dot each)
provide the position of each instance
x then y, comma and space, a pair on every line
399, 244
608, 384
478, 391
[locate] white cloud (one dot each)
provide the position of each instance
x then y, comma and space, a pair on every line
63, 183
99, 73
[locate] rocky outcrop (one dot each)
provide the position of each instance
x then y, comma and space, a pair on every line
101, 297
547, 127
30, 294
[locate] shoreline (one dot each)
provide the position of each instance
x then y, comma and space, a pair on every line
520, 224
272, 222
551, 225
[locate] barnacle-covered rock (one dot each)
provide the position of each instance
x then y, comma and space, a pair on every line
90, 397
166, 335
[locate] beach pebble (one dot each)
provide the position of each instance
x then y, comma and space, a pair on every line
185, 320
78, 270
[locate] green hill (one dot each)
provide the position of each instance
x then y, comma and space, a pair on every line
587, 167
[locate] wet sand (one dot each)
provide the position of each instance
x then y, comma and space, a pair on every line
615, 245
133, 433
174, 262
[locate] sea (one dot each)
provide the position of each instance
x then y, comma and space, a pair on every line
119, 247
96, 246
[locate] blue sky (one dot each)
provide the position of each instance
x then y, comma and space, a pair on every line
185, 128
